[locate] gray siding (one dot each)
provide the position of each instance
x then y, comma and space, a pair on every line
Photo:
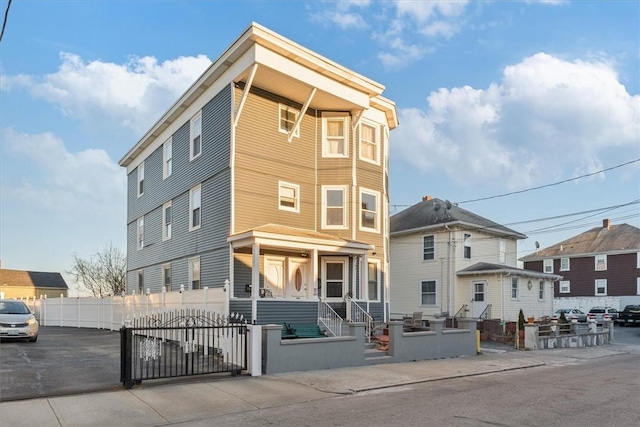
277, 312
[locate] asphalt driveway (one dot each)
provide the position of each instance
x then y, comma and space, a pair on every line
62, 361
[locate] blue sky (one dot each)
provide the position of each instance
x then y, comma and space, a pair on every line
493, 97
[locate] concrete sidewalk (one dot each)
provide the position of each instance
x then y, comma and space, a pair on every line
152, 404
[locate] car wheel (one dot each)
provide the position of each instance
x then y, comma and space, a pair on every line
33, 338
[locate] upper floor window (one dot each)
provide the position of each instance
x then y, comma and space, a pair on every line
565, 287
428, 248
547, 265
369, 142
141, 179
467, 246
515, 288
601, 262
564, 264
541, 290
196, 136
428, 292
166, 220
502, 251
167, 158
194, 273
288, 197
601, 286
287, 119
140, 233
334, 209
369, 218
334, 136
195, 204
166, 277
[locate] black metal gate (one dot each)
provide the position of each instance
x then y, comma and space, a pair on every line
182, 343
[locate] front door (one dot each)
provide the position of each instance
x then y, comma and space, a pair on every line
479, 298
274, 280
298, 279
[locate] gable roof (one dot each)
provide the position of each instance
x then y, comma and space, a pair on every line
598, 240
436, 213
481, 268
36, 279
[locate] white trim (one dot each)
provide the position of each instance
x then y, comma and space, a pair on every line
376, 194
435, 293
600, 283
140, 181
140, 233
296, 197
192, 263
167, 158
378, 264
568, 266
547, 265
422, 248
344, 117
517, 288
564, 287
166, 228
603, 258
541, 287
345, 193
637, 285
195, 204
376, 141
193, 133
296, 114
345, 274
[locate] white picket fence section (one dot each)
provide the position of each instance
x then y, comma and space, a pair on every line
111, 312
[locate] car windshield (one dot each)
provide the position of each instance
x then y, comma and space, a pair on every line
13, 307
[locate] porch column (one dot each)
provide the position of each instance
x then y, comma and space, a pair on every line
255, 280
364, 284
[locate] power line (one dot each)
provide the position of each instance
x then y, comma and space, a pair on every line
4, 23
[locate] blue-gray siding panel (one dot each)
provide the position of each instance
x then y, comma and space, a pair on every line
277, 312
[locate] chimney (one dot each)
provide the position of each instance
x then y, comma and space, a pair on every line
606, 223
426, 198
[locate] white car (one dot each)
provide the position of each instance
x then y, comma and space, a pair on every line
571, 313
17, 321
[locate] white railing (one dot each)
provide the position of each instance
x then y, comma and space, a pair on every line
111, 312
360, 315
329, 319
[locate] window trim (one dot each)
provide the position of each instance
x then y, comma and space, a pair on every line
345, 205
375, 143
344, 117
296, 112
140, 233
435, 292
515, 285
502, 251
140, 283
296, 189
433, 247
167, 158
563, 283
602, 281
375, 194
603, 257
568, 266
192, 262
140, 180
192, 207
166, 228
345, 279
547, 263
637, 285
377, 263
467, 244
166, 267
193, 135
542, 292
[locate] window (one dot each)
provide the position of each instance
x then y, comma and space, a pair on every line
515, 288
638, 261
428, 292
638, 285
287, 119
369, 137
601, 286
601, 262
428, 248
369, 210
195, 203
467, 246
289, 197
166, 277
564, 264
167, 158
166, 220
373, 281
565, 286
140, 239
502, 251
334, 136
194, 273
541, 290
141, 282
334, 277
334, 212
478, 291
196, 136
141, 179
547, 265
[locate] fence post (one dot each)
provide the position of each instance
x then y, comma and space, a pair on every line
227, 296
125, 356
61, 310
255, 350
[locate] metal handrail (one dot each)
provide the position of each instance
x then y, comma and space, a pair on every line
464, 309
330, 319
359, 314
486, 313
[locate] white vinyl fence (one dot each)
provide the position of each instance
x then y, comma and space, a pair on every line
111, 312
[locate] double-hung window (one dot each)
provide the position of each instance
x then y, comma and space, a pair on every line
287, 119
334, 208
370, 142
564, 264
141, 282
565, 286
288, 197
428, 248
541, 290
166, 277
428, 292
195, 205
373, 279
369, 218
194, 273
515, 288
140, 233
601, 262
601, 286
141, 179
547, 265
335, 139
167, 218
167, 158
467, 246
196, 136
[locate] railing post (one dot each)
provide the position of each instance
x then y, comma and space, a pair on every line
125, 356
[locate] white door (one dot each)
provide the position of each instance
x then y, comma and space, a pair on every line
274, 276
478, 298
298, 282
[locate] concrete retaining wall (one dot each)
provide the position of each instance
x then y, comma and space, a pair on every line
589, 337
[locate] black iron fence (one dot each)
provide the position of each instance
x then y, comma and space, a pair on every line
182, 343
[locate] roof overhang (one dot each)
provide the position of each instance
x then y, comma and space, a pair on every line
511, 272
463, 225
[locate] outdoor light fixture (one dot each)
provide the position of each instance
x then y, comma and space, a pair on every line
529, 285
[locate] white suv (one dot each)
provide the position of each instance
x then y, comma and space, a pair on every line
602, 313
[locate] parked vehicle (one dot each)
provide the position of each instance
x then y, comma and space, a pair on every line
630, 315
572, 313
17, 321
602, 313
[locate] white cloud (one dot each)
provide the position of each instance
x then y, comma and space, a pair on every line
546, 118
133, 94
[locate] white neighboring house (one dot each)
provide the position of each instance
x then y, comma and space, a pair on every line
447, 261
